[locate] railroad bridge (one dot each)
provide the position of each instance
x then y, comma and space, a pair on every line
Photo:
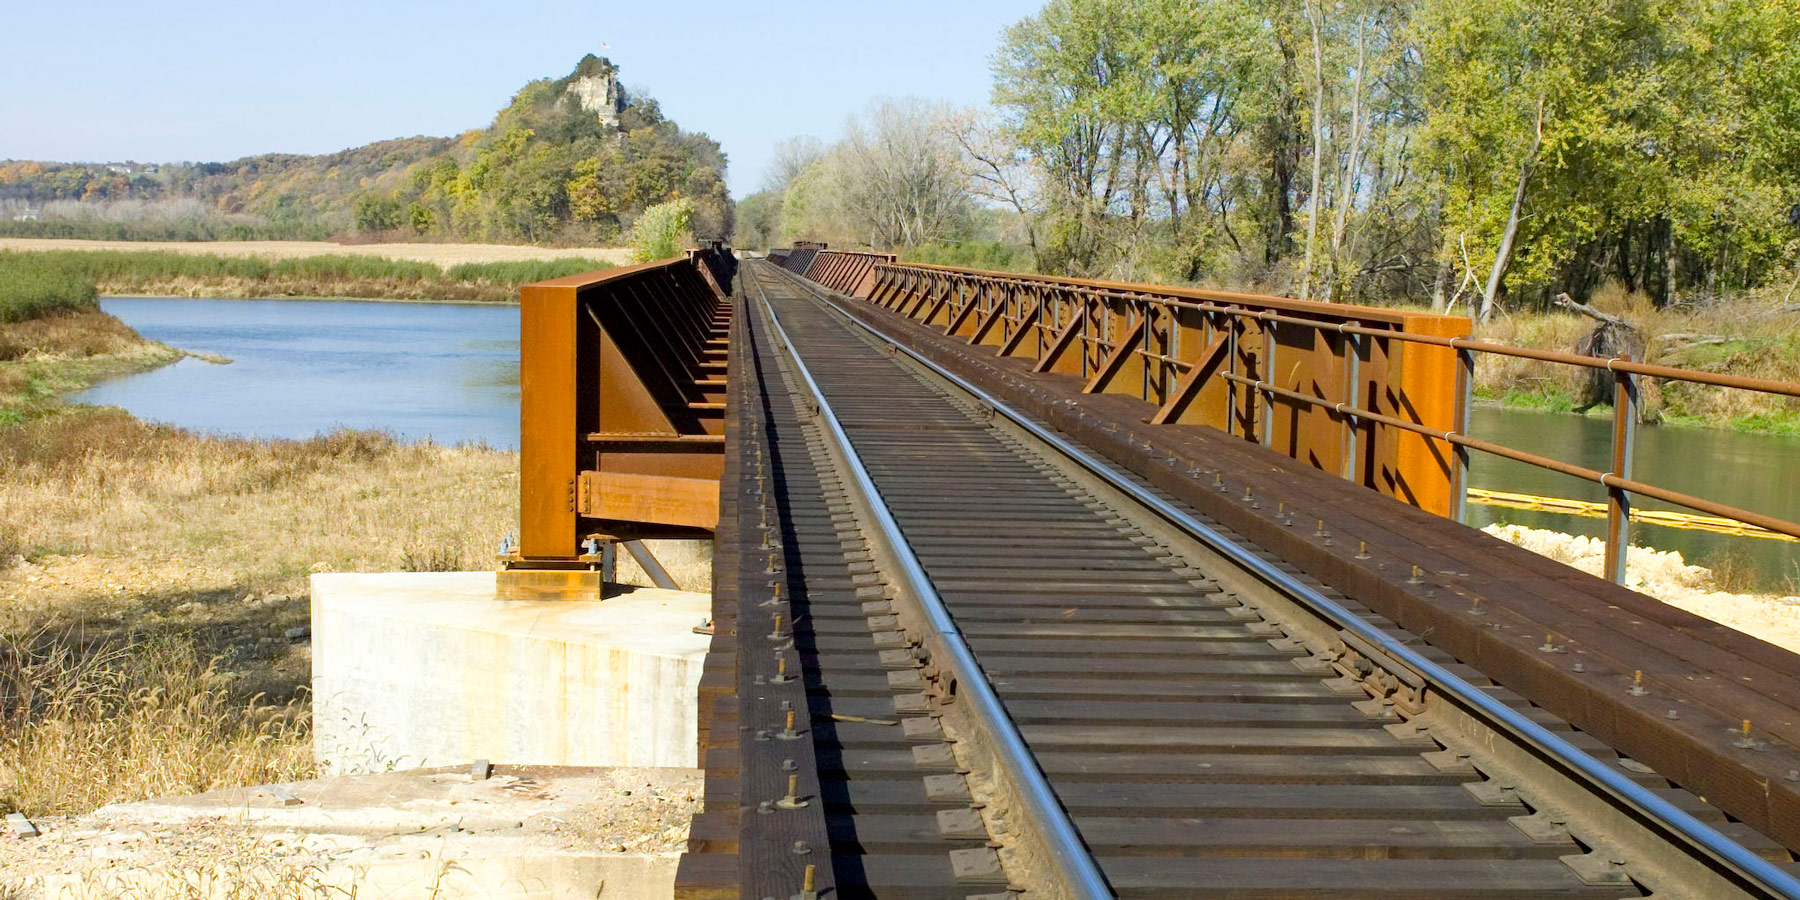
1049, 587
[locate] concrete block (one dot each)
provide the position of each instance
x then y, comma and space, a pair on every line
428, 669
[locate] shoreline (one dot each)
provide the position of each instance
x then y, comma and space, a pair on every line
146, 295
447, 254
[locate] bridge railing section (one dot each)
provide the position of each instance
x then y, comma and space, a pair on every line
1380, 396
622, 377
1206, 358
847, 271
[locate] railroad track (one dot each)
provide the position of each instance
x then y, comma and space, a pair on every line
1008, 666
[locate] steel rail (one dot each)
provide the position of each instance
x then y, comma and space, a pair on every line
1750, 870
1080, 875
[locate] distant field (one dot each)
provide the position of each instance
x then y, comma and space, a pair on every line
442, 254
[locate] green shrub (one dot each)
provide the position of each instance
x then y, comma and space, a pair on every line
70, 275
990, 255
31, 287
664, 230
345, 266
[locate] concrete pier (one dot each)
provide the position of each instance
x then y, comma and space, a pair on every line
428, 669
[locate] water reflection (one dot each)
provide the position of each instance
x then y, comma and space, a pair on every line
1750, 471
299, 367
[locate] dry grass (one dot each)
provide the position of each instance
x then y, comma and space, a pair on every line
171, 566
308, 288
72, 335
85, 725
1753, 336
443, 254
1523, 381
44, 357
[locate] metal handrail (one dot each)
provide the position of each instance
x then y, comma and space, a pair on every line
1734, 857
1171, 297
1352, 321
1604, 479
1081, 877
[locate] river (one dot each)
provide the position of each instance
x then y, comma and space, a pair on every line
450, 373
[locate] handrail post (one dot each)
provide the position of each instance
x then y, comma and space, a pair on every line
1618, 503
1352, 396
1267, 364
1231, 356
1459, 462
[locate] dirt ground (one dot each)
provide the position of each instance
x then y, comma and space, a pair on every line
442, 254
354, 835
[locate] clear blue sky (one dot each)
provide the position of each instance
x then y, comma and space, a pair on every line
83, 81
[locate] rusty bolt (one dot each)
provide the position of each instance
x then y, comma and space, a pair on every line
792, 800
788, 733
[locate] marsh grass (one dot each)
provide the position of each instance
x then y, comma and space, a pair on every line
142, 639
84, 723
1754, 336
163, 272
31, 287
61, 351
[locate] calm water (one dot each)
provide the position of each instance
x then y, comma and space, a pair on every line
299, 367
1754, 472
451, 373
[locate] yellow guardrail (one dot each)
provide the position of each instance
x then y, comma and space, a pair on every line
1664, 517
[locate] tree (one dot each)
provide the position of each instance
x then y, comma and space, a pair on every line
758, 224
376, 213
788, 159
895, 179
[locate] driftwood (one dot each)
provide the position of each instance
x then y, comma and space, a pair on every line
1611, 338
1567, 302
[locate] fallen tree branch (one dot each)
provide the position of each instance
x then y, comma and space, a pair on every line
1567, 302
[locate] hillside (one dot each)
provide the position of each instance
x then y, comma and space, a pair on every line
568, 161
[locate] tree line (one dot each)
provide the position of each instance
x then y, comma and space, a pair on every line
546, 171
1464, 153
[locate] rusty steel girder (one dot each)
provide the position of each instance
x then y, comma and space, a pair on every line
1218, 358
847, 271
622, 377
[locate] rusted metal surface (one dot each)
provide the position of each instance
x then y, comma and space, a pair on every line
622, 382
1198, 738
1214, 358
1484, 602
799, 259
763, 831
1380, 396
847, 271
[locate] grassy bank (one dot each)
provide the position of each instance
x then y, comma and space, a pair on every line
169, 273
151, 579
54, 339
1755, 337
